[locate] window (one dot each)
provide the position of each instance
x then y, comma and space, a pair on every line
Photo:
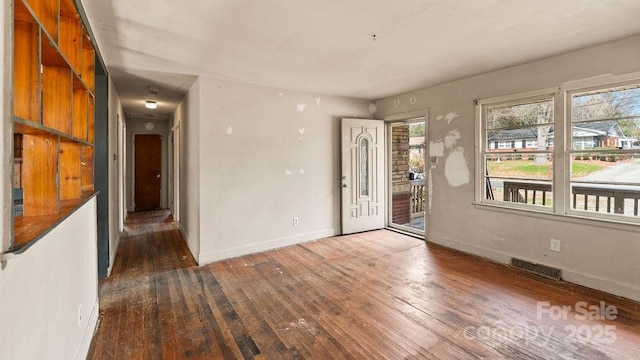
364, 167
597, 153
520, 175
531, 144
606, 122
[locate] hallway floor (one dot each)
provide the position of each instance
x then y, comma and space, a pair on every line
365, 296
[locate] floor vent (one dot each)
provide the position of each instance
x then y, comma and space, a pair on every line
543, 270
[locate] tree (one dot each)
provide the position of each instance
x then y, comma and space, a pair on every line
622, 106
416, 130
537, 116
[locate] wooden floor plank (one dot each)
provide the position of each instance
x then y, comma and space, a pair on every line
374, 295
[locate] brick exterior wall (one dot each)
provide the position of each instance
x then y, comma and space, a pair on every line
401, 188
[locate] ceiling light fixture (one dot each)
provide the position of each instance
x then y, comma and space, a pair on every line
150, 104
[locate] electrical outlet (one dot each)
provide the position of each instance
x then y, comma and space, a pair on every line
555, 245
296, 221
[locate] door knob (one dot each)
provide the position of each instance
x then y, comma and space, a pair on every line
158, 176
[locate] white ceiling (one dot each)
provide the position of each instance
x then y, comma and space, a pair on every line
328, 47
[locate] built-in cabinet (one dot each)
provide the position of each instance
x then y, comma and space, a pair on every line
53, 115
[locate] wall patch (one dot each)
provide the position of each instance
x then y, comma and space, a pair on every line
450, 116
436, 149
452, 138
301, 107
229, 130
455, 168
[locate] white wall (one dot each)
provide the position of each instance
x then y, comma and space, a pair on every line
162, 128
42, 290
187, 118
115, 189
594, 254
266, 156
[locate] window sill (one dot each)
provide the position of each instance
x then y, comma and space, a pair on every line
615, 224
28, 230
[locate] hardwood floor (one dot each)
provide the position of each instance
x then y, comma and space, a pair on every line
373, 295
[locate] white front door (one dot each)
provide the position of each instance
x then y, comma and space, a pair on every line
362, 175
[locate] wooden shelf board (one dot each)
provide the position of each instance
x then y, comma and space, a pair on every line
46, 11
51, 55
27, 230
22, 13
68, 9
22, 126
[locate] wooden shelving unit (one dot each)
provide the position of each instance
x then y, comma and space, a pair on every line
53, 115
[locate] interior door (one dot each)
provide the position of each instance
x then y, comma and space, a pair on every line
363, 205
147, 174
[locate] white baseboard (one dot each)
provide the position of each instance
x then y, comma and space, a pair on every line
89, 332
606, 285
497, 256
208, 258
590, 281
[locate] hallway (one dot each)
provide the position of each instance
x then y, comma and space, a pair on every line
370, 295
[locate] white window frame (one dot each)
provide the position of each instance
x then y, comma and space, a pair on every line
482, 148
560, 141
568, 94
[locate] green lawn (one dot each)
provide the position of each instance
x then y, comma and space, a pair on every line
584, 168
518, 168
529, 169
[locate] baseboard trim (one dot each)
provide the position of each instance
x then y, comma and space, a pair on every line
609, 286
89, 332
497, 256
208, 258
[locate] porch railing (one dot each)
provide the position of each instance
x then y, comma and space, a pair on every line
599, 198
616, 198
525, 192
417, 198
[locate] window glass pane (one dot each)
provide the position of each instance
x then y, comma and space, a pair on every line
520, 116
520, 178
606, 182
606, 104
610, 134
364, 167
